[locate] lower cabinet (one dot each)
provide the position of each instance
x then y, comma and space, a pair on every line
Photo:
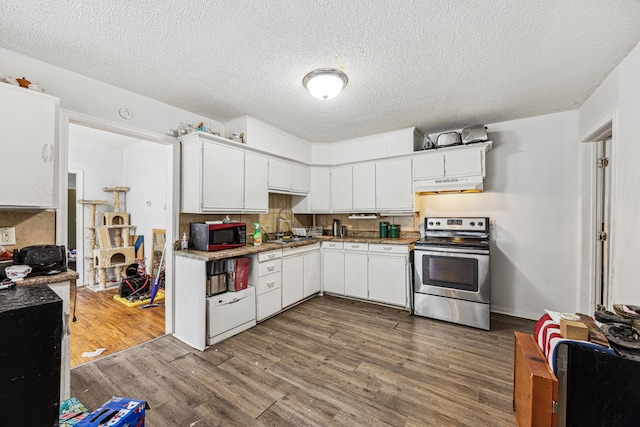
356, 275
333, 267
375, 272
388, 273
300, 273
265, 269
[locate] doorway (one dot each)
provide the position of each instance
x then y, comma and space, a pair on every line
105, 158
598, 187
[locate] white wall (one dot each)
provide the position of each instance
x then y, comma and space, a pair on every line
102, 167
145, 172
531, 196
621, 92
92, 97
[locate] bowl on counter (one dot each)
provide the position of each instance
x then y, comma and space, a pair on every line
17, 272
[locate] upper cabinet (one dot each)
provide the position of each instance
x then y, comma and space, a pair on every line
452, 169
364, 187
341, 189
219, 176
289, 178
394, 191
320, 199
29, 123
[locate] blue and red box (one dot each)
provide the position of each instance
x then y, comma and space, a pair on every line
117, 412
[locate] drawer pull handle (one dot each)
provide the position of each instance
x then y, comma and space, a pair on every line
271, 267
355, 246
387, 248
235, 300
271, 256
271, 284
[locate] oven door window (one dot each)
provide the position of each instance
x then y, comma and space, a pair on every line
450, 272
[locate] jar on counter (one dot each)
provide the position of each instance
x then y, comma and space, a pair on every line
384, 229
394, 231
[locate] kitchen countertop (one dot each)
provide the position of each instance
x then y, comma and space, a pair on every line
46, 280
249, 249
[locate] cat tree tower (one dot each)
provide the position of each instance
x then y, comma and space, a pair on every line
109, 243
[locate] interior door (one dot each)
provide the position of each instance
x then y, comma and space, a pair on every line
602, 231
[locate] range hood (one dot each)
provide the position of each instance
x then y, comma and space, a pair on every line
466, 184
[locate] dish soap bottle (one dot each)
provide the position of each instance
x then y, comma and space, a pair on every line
184, 243
257, 235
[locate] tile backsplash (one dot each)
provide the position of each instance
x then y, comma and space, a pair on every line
409, 225
32, 227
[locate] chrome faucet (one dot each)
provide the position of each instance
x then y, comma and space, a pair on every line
279, 233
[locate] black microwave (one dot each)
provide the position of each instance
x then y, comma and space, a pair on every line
217, 236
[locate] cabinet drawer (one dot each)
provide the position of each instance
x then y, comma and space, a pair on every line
356, 246
333, 245
271, 255
388, 249
269, 283
269, 267
268, 304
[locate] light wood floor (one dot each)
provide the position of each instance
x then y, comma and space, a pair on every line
328, 361
102, 322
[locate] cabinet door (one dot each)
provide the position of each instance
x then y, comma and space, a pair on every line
28, 145
341, 185
333, 272
222, 178
256, 193
319, 194
312, 273
428, 166
355, 274
463, 163
394, 186
364, 187
300, 180
279, 174
388, 279
292, 280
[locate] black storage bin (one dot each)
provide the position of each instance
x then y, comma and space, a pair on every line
30, 351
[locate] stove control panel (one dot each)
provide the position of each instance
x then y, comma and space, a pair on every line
456, 224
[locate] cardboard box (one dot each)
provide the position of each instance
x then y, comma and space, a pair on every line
117, 412
72, 412
574, 330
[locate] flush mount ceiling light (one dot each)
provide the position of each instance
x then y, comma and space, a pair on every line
325, 83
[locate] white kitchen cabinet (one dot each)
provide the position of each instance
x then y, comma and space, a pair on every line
429, 165
355, 270
320, 190
265, 269
300, 273
292, 280
190, 301
256, 193
280, 174
29, 143
463, 163
388, 274
341, 189
333, 267
300, 179
394, 186
312, 274
289, 178
364, 187
212, 176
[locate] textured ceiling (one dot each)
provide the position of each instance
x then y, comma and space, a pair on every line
437, 65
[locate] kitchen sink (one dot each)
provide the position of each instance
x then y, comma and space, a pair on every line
291, 240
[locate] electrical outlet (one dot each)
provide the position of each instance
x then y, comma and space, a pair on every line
8, 236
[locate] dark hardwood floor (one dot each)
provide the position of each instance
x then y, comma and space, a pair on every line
328, 361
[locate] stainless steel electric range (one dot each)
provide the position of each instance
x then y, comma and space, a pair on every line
452, 275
